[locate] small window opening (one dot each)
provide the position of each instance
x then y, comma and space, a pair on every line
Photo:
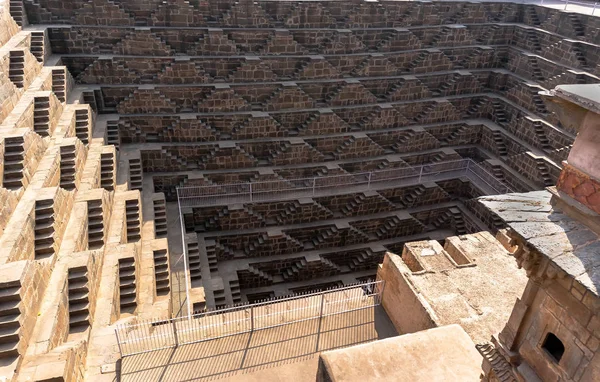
554, 346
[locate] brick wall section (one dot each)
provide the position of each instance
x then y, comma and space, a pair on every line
580, 187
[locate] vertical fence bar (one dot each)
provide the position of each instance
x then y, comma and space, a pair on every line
314, 183
250, 185
119, 341
185, 260
320, 322
251, 319
175, 333
369, 181
421, 173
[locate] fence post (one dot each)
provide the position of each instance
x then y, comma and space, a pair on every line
175, 331
119, 341
250, 184
320, 319
594, 9
421, 173
369, 182
251, 319
314, 184
566, 4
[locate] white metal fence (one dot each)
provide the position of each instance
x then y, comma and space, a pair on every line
577, 6
273, 190
147, 336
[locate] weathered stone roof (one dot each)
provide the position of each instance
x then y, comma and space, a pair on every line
586, 96
569, 244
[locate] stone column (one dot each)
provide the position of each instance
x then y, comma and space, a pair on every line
577, 192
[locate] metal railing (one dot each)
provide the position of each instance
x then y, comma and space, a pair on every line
583, 7
151, 335
285, 189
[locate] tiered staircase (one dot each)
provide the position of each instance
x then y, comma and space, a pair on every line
44, 228
112, 133
531, 12
41, 116
251, 247
348, 209
417, 61
16, 69
37, 45
533, 38
576, 24
413, 196
14, 157
292, 272
95, 224
10, 319
499, 113
161, 272
323, 236
193, 254
454, 134
540, 134
425, 112
434, 41
459, 223
358, 261
475, 107
535, 69
68, 168
106, 171
234, 287
81, 125
135, 174
400, 145
17, 12
442, 220
389, 225
59, 83
160, 218
79, 304
127, 285
500, 145
225, 251
264, 276
132, 214
544, 172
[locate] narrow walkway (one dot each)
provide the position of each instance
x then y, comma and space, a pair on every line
339, 184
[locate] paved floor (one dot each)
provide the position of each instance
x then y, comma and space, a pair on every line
266, 355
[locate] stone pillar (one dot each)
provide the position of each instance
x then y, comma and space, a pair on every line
577, 192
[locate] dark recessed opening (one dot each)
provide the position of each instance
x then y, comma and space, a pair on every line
554, 346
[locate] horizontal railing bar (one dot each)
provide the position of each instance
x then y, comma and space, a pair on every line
198, 196
152, 335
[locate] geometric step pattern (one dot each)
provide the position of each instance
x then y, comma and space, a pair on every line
79, 304
132, 214
161, 272
127, 285
95, 224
